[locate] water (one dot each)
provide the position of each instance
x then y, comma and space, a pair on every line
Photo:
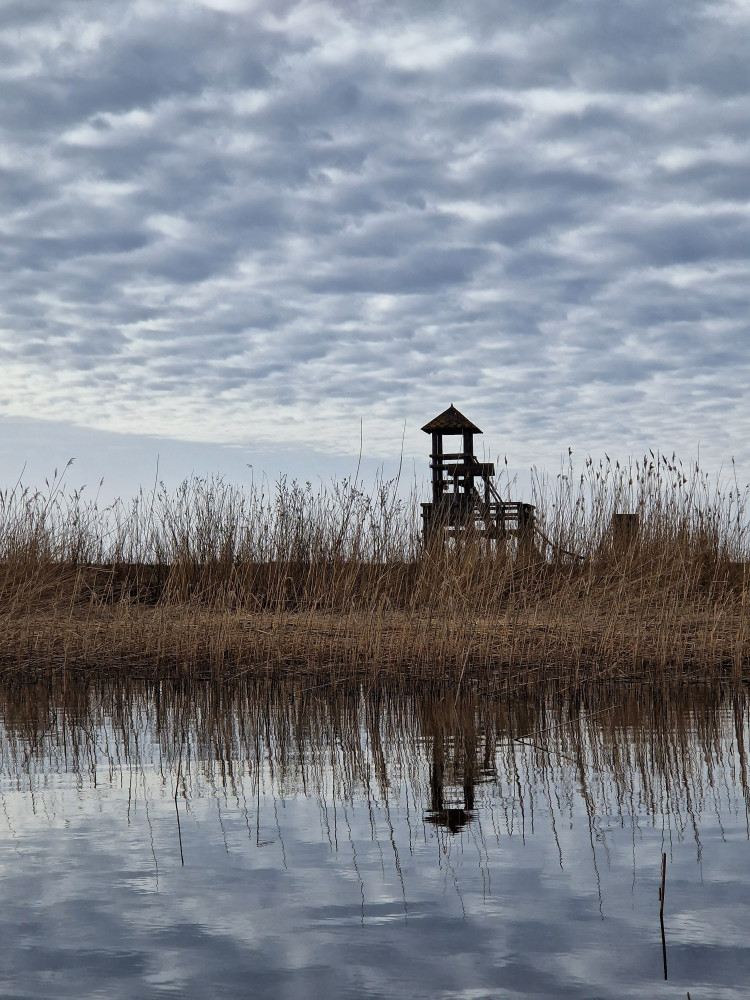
292, 842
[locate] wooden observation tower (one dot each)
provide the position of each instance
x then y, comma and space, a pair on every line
464, 498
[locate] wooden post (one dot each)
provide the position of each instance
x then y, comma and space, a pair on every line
526, 523
437, 472
468, 459
624, 531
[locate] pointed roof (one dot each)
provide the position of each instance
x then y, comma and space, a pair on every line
450, 421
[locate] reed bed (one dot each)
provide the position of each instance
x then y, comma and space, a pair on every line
213, 579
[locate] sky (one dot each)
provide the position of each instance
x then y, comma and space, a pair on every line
281, 234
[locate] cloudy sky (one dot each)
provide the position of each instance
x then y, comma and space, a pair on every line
236, 232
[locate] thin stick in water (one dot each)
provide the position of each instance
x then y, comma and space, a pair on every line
176, 791
661, 911
663, 884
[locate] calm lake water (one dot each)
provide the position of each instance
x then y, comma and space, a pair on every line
299, 842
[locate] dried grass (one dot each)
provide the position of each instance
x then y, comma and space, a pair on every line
212, 579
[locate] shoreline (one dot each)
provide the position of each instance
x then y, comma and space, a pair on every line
535, 644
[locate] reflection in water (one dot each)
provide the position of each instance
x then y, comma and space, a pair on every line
488, 829
446, 808
644, 754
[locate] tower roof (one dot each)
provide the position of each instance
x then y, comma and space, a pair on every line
450, 421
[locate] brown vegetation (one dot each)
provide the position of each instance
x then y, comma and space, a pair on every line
215, 579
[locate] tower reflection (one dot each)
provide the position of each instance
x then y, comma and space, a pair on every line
453, 771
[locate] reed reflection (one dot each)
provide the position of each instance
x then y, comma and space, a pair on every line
638, 757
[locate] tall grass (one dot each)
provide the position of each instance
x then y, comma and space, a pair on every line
213, 576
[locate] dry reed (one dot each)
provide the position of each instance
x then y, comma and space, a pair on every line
214, 579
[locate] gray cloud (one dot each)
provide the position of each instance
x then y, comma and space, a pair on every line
343, 210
